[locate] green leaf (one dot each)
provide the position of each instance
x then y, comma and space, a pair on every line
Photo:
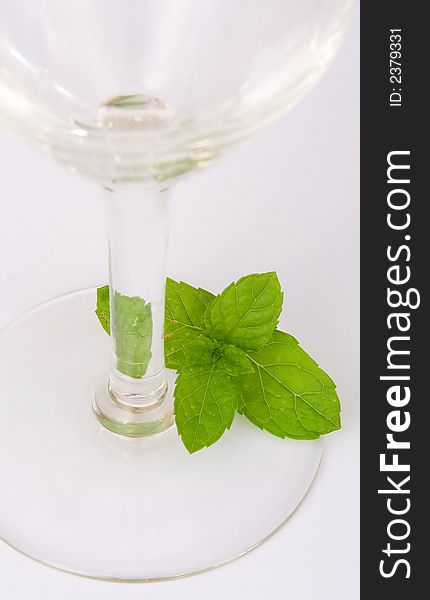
235, 361
199, 350
103, 309
246, 312
205, 403
133, 334
274, 383
185, 307
289, 395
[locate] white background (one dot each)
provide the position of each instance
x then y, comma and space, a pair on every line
287, 202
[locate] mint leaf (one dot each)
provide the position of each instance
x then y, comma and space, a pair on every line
289, 395
205, 403
185, 307
199, 350
203, 350
103, 307
229, 357
235, 361
246, 312
133, 334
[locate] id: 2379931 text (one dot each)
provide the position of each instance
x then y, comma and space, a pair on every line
395, 67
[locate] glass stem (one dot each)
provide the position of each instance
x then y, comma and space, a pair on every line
137, 386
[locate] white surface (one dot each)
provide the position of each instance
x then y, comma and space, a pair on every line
289, 202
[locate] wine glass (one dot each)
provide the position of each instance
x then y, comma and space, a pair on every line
135, 95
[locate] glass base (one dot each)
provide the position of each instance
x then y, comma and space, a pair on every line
130, 420
82, 499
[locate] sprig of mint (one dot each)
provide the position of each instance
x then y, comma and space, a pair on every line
230, 357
